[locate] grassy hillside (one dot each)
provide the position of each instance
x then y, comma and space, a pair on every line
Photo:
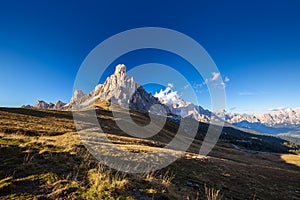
42, 157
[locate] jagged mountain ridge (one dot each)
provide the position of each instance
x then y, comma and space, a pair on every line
279, 116
179, 107
280, 121
44, 105
276, 122
119, 89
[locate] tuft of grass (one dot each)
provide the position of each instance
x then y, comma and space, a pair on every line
5, 183
104, 184
212, 193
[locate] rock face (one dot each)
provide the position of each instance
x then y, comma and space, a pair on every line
78, 94
119, 89
59, 104
44, 105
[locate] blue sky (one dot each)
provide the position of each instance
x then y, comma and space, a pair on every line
256, 44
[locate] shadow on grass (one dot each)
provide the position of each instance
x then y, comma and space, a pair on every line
39, 113
25, 170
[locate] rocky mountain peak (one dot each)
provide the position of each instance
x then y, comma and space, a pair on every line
59, 104
41, 104
119, 89
77, 95
120, 69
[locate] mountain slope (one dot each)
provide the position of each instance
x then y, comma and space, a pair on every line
61, 167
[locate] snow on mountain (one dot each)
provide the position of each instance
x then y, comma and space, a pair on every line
273, 118
179, 107
281, 116
276, 122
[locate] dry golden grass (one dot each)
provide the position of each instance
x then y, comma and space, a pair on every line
293, 159
212, 193
99, 104
57, 166
46, 142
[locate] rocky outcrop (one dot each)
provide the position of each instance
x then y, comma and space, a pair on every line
119, 89
59, 104
44, 105
26, 106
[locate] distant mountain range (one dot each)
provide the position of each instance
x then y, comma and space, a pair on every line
121, 89
44, 105
279, 121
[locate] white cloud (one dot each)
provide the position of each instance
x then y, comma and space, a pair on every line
246, 93
170, 85
198, 85
223, 84
215, 76
167, 96
227, 79
232, 109
186, 86
214, 81
199, 88
276, 109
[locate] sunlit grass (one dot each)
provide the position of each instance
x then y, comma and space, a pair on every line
291, 159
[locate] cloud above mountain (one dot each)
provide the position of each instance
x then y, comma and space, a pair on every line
215, 76
215, 80
246, 93
168, 96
